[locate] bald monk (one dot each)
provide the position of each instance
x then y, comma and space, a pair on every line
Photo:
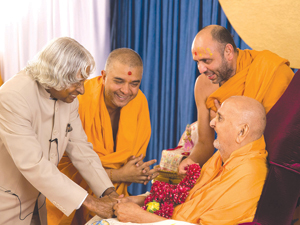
115, 117
227, 71
231, 182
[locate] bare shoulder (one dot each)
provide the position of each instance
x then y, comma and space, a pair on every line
203, 89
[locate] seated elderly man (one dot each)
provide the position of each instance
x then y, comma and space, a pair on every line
231, 181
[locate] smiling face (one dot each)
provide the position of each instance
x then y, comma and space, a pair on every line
120, 87
226, 128
239, 121
210, 61
69, 94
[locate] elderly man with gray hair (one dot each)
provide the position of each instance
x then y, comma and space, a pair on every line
39, 121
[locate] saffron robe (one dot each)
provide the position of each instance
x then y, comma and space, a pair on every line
132, 139
228, 193
1, 81
261, 75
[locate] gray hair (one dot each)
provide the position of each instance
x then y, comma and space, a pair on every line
125, 56
58, 64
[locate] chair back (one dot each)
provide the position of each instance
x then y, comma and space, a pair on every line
282, 135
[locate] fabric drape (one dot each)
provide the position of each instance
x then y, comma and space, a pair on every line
162, 33
214, 200
1, 81
258, 76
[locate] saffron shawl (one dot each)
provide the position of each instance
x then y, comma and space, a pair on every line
228, 193
261, 75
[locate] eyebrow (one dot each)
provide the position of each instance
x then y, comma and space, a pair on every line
120, 79
219, 114
136, 81
202, 59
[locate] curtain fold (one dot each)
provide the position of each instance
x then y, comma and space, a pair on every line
162, 33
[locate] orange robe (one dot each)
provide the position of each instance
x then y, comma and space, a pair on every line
1, 81
227, 194
261, 75
132, 139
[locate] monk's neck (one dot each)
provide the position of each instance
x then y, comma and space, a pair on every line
234, 63
112, 110
114, 114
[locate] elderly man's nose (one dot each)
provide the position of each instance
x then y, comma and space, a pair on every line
212, 123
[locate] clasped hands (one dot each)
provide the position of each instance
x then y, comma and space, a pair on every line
129, 210
137, 171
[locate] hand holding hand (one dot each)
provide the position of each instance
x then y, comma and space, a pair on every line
103, 207
128, 212
131, 212
139, 199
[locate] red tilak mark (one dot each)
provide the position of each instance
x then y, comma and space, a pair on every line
129, 73
195, 53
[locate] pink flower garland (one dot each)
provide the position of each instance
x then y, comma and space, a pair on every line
169, 195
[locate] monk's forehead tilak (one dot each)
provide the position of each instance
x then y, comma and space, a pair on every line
200, 51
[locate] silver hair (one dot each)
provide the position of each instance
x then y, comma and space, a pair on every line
57, 65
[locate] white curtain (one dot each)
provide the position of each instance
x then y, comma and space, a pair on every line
27, 25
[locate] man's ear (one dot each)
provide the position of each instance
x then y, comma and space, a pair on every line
103, 73
229, 52
243, 133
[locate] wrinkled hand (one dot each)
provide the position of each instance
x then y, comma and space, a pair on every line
128, 212
139, 200
131, 212
103, 207
183, 165
137, 171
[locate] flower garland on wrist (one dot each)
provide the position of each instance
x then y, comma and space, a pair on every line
164, 196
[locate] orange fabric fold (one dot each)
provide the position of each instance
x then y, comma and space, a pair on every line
227, 194
1, 81
261, 75
132, 139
